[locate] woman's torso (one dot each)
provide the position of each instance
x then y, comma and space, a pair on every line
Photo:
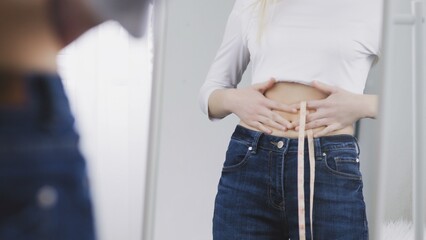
294, 93
28, 42
331, 41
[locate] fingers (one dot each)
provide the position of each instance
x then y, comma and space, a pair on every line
294, 125
326, 130
261, 127
263, 87
286, 108
317, 123
322, 122
280, 107
273, 119
295, 105
271, 123
284, 123
325, 88
316, 115
314, 104
267, 121
310, 118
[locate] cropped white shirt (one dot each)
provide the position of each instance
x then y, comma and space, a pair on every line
332, 41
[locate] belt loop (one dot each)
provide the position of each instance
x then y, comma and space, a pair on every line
256, 141
358, 150
317, 144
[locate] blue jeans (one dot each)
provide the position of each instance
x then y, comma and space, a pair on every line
43, 183
257, 193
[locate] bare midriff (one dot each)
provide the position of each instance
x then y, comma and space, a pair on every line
27, 41
294, 93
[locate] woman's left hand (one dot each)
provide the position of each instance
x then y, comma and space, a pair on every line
339, 110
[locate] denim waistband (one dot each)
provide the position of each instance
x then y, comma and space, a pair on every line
46, 106
322, 145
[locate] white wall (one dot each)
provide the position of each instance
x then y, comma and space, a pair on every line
107, 75
191, 148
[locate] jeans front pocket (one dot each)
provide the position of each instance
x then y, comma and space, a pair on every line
237, 154
343, 164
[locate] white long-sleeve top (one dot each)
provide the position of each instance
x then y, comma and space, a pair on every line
332, 41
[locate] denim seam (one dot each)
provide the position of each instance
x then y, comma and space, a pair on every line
239, 165
340, 174
241, 140
345, 159
270, 185
255, 143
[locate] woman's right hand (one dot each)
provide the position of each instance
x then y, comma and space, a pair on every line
254, 109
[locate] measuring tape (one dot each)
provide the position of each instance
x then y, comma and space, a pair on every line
301, 173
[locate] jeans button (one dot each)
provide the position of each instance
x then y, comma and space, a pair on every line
280, 144
47, 197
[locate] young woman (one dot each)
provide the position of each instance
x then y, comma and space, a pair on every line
43, 187
304, 53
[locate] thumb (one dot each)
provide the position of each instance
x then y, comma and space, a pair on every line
325, 88
263, 87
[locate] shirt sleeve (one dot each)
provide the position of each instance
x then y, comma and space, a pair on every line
230, 62
376, 28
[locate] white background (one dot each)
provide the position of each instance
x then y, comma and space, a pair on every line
107, 75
